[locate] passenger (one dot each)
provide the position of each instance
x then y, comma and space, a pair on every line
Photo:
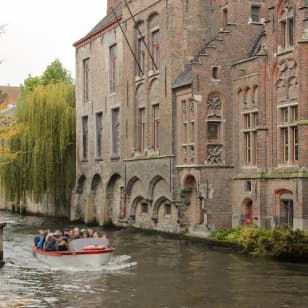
63, 244
90, 232
96, 235
84, 233
41, 243
105, 240
38, 237
76, 233
52, 242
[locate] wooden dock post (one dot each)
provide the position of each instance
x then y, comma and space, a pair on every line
2, 225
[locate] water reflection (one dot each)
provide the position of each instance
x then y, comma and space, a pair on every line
146, 271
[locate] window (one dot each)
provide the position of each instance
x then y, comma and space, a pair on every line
213, 131
215, 72
141, 129
99, 134
287, 28
285, 146
115, 118
141, 56
192, 131
255, 11
295, 143
84, 137
112, 67
155, 48
86, 79
167, 209
289, 134
224, 18
156, 119
144, 208
248, 186
250, 138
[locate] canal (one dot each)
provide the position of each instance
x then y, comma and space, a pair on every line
146, 271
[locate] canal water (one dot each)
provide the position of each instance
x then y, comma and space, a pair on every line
145, 271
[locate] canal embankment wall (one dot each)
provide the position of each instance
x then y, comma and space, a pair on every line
2, 225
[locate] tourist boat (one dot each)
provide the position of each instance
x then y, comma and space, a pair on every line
87, 252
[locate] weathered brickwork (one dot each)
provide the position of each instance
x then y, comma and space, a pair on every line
203, 125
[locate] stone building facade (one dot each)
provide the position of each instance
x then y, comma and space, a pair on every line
191, 115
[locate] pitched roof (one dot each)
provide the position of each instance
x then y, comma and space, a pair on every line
184, 78
11, 92
104, 24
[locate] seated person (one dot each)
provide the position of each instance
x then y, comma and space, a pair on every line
63, 244
38, 237
105, 240
52, 242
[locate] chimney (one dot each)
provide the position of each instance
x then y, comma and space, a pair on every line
111, 4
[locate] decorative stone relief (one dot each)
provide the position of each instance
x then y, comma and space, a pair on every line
214, 154
286, 84
214, 106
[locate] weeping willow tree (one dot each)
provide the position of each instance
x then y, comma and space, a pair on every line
41, 162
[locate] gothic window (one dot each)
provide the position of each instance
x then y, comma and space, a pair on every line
188, 130
84, 124
250, 138
144, 208
287, 27
289, 134
112, 67
156, 120
99, 134
167, 209
141, 128
115, 140
156, 48
213, 131
86, 70
141, 55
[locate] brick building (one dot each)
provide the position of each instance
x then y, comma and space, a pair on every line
191, 115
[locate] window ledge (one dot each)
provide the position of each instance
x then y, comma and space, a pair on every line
115, 157
283, 51
98, 159
84, 161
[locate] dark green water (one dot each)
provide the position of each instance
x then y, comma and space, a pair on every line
146, 271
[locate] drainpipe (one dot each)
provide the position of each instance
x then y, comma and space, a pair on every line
2, 225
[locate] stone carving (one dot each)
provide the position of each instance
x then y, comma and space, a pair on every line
214, 106
214, 154
286, 83
192, 154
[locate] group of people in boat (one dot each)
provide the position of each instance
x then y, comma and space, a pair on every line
59, 240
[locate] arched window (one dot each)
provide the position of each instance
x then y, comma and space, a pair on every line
286, 21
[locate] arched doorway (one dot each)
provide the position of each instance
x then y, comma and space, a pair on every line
192, 211
284, 208
247, 211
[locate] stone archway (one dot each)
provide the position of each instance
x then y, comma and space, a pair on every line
94, 200
284, 208
79, 200
247, 211
116, 202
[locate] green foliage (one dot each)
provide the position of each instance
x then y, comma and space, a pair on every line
43, 159
282, 242
54, 73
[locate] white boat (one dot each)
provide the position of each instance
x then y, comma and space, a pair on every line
88, 252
